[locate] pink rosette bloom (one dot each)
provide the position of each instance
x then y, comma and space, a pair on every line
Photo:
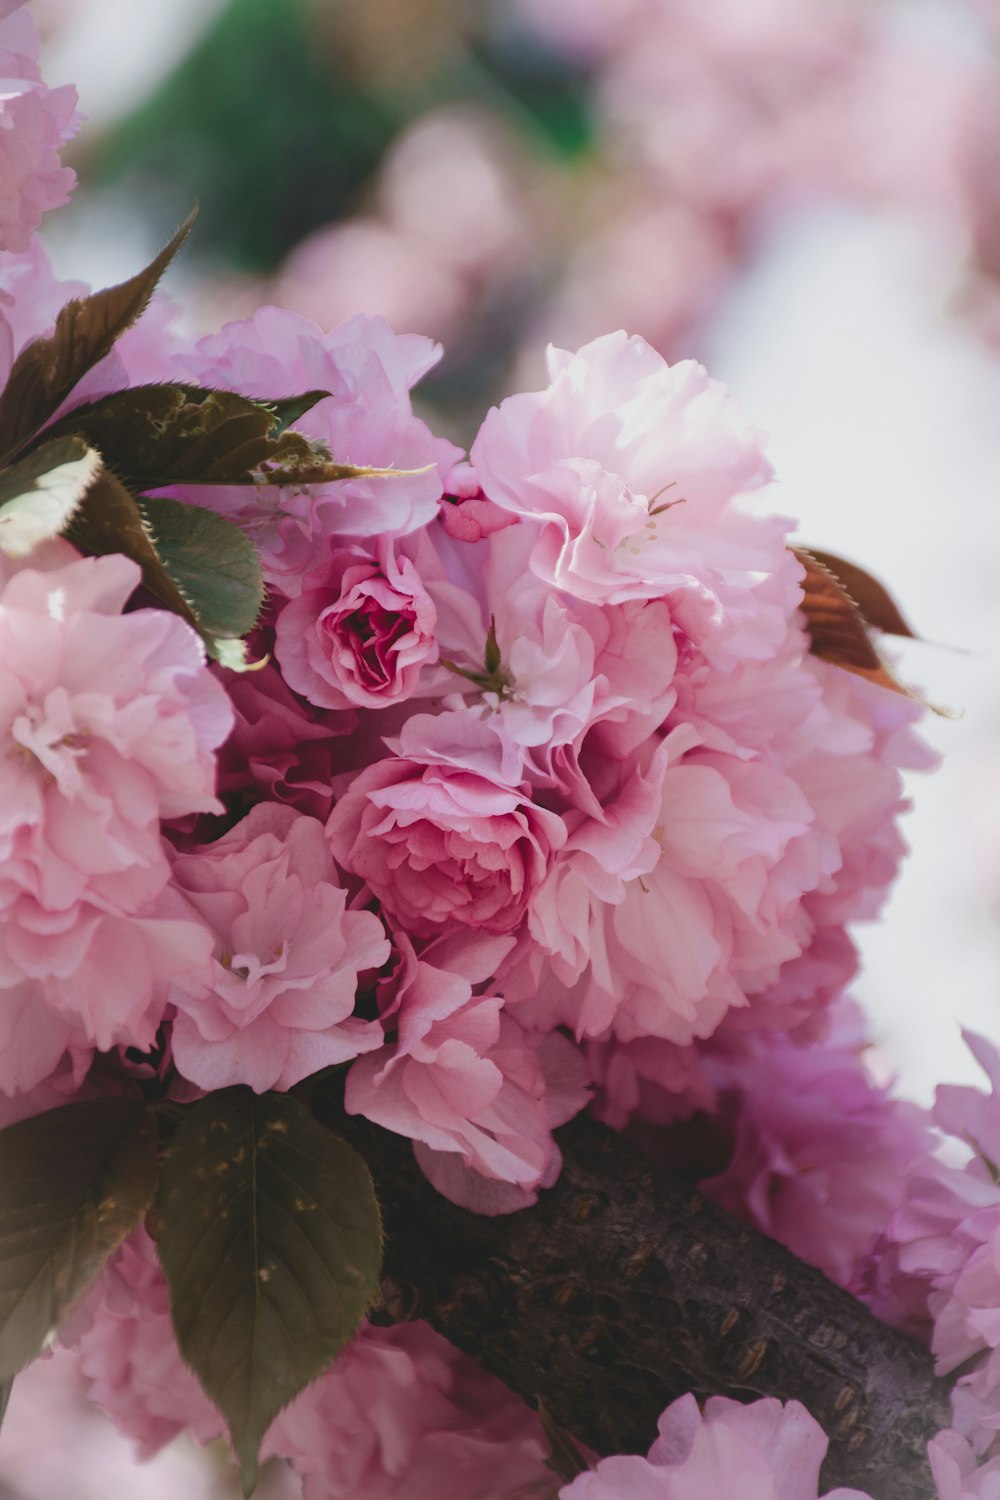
628, 466
278, 1003
34, 123
464, 1079
367, 421
127, 1351
441, 834
764, 1451
110, 721
360, 632
401, 1414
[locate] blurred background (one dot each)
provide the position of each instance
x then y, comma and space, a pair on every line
804, 194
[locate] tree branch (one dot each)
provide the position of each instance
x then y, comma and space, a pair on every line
622, 1289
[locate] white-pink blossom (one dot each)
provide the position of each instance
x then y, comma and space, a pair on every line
628, 467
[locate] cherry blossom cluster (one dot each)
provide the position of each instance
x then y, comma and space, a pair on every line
537, 799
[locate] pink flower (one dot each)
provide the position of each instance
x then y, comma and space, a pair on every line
565, 667
34, 123
110, 721
938, 1260
402, 1415
763, 1451
627, 467
956, 1472
464, 1077
278, 1002
129, 1355
466, 514
818, 1151
90, 1459
367, 421
360, 631
278, 750
440, 834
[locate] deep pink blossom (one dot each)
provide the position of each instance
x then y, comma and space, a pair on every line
111, 722
277, 1002
466, 514
278, 749
360, 631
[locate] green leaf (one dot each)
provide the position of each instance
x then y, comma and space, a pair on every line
39, 493
73, 1183
197, 563
211, 562
155, 436
47, 369
272, 1246
289, 409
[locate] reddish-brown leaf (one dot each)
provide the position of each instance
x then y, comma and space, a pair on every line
837, 629
872, 598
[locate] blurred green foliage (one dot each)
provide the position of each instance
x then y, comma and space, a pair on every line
277, 132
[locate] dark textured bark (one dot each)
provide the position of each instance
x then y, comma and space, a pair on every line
623, 1288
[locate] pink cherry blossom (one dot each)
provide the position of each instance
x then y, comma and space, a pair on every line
628, 466
402, 1414
464, 1077
111, 722
34, 123
360, 632
764, 1451
278, 1002
956, 1472
440, 834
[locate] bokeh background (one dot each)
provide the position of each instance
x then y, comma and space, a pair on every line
803, 194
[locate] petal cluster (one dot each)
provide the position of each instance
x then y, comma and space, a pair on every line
108, 724
765, 1450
